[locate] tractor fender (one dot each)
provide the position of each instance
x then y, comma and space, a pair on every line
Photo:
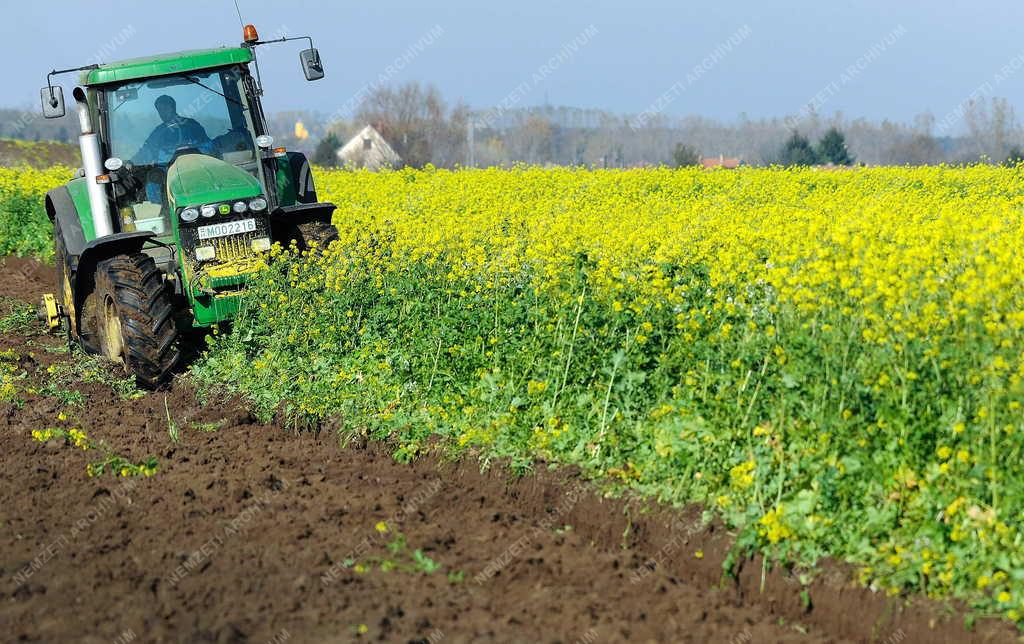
302, 178
96, 251
61, 210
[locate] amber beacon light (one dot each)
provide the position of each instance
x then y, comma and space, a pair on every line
250, 35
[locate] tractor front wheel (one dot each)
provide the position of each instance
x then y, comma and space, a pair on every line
133, 313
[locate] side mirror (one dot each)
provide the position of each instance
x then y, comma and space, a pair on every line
312, 67
52, 99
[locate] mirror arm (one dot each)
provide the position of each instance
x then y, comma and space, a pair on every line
285, 39
57, 72
253, 45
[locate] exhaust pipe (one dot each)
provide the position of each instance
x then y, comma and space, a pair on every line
92, 162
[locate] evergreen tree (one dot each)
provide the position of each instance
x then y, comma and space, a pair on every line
1015, 158
326, 154
684, 155
798, 151
832, 148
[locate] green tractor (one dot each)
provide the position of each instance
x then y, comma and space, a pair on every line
180, 195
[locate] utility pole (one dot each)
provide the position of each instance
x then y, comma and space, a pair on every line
471, 141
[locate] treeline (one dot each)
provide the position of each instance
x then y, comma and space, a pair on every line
423, 127
29, 125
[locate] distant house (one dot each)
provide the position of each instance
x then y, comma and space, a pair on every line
721, 162
368, 149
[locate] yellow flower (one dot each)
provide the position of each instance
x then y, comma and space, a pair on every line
772, 526
953, 507
742, 475
534, 387
381, 527
79, 439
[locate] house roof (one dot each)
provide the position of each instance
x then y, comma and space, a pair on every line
721, 162
368, 149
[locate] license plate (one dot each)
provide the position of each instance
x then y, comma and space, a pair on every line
227, 228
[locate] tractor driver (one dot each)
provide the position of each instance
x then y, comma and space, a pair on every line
173, 133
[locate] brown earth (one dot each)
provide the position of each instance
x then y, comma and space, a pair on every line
244, 533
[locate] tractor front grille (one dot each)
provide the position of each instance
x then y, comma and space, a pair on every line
232, 248
227, 249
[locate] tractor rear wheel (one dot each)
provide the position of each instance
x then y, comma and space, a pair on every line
319, 233
133, 311
65, 296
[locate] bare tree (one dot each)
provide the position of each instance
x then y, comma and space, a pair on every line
992, 127
417, 123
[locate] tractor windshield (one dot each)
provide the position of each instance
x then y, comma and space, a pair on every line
205, 112
152, 122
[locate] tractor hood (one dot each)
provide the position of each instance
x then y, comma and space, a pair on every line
197, 179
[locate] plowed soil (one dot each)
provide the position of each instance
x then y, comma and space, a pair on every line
250, 532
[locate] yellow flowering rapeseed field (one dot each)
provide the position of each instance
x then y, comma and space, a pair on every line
24, 229
830, 361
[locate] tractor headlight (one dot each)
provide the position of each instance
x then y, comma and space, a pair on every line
209, 211
205, 253
240, 207
261, 245
189, 214
258, 204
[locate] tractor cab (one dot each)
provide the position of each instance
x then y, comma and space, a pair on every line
152, 123
178, 170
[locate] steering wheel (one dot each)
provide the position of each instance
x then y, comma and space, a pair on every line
237, 139
183, 150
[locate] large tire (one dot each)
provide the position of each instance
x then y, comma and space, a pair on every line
133, 310
317, 234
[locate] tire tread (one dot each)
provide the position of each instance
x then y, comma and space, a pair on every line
144, 304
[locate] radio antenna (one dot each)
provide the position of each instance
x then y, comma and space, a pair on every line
241, 20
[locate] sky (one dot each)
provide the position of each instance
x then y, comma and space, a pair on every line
876, 59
